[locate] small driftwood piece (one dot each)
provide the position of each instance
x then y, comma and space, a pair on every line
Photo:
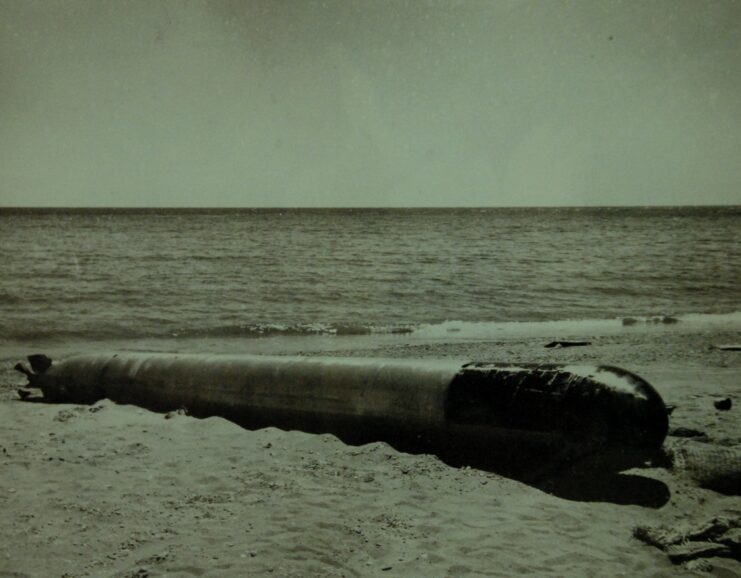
553, 344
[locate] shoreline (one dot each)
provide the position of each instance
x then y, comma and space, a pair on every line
120, 491
646, 343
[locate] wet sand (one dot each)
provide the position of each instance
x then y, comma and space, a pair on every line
115, 490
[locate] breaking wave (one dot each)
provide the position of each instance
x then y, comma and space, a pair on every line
451, 330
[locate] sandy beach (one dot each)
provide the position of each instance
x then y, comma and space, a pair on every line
110, 490
459, 184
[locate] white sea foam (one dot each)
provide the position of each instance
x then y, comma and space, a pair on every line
462, 330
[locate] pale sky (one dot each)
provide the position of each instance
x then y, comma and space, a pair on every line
254, 103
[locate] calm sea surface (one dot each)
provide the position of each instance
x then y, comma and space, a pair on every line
91, 274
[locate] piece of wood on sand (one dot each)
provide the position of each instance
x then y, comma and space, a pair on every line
728, 347
567, 344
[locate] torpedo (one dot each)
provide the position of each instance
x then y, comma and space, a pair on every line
497, 414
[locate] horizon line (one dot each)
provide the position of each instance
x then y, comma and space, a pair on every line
349, 207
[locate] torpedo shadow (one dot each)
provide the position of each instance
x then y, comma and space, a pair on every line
601, 477
617, 488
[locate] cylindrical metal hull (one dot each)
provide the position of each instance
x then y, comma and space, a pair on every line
478, 410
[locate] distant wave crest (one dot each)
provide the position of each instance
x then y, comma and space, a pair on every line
493, 330
450, 330
248, 331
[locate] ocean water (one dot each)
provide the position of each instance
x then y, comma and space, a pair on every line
452, 273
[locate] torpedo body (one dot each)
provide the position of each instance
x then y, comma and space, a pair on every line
486, 412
